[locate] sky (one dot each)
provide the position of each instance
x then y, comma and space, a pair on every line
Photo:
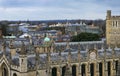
57, 9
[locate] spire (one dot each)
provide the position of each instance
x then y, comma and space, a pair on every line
109, 47
11, 44
11, 47
78, 47
3, 47
105, 52
69, 56
95, 46
67, 45
87, 47
37, 61
23, 49
68, 70
102, 47
52, 45
79, 52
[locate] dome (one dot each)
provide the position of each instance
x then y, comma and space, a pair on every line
46, 39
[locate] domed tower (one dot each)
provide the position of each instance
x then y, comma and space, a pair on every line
47, 44
46, 40
23, 59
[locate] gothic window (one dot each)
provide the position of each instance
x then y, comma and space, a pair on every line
22, 60
113, 23
4, 72
116, 23
14, 74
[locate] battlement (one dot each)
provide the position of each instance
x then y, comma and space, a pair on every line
115, 17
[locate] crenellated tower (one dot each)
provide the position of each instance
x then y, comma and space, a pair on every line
112, 29
23, 59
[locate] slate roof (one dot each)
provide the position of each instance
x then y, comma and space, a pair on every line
64, 53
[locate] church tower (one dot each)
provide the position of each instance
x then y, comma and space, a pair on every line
23, 59
112, 29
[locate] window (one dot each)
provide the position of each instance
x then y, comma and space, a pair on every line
116, 23
14, 74
113, 23
22, 60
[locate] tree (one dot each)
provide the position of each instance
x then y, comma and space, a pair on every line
85, 37
4, 25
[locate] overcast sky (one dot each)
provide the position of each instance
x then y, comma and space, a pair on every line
57, 9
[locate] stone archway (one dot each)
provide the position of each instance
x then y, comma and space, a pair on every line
74, 70
100, 69
116, 66
4, 70
83, 70
54, 71
14, 74
63, 70
109, 68
92, 69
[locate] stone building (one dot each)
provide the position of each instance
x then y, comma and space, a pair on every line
82, 59
91, 58
112, 29
75, 29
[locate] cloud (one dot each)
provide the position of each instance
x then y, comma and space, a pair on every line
56, 9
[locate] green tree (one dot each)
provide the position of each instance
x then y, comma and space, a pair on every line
85, 37
4, 25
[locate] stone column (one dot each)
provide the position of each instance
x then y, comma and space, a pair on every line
79, 70
103, 69
96, 69
50, 72
118, 69
58, 71
87, 69
106, 68
112, 68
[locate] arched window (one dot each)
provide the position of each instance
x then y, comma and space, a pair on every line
14, 74
4, 70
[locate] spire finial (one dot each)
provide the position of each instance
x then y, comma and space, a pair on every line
3, 47
11, 44
78, 46
23, 48
95, 46
67, 47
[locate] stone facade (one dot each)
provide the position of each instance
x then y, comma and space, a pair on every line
90, 62
112, 29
